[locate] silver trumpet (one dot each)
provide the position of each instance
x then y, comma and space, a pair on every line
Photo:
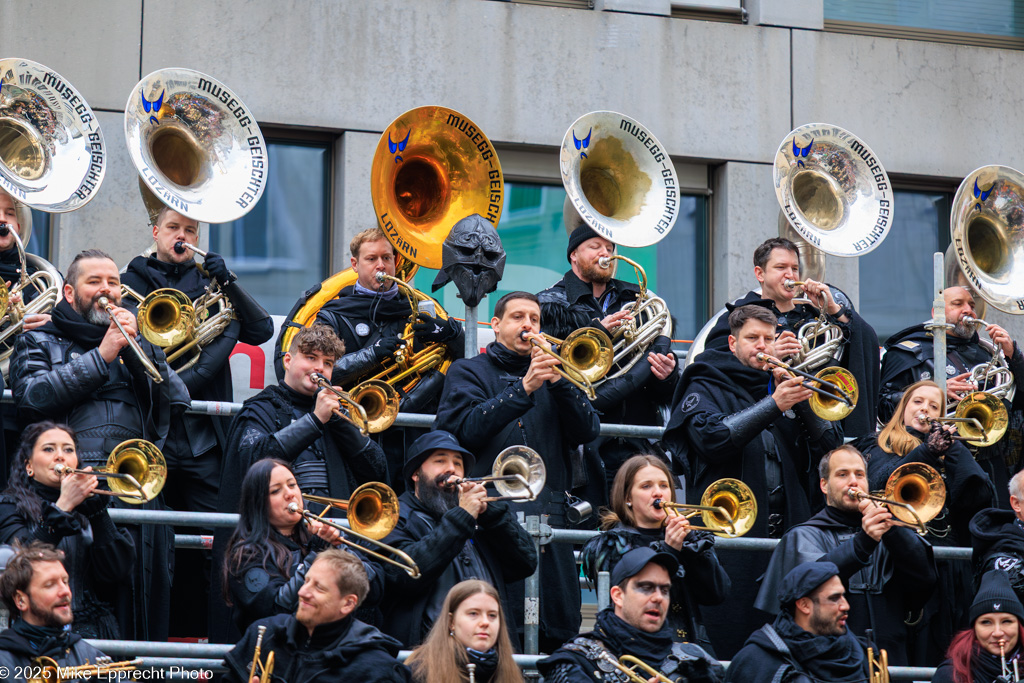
150, 367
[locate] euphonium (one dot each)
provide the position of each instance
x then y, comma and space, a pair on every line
50, 160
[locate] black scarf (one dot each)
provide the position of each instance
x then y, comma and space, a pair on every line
621, 638
849, 519
45, 641
986, 667
508, 360
185, 277
725, 369
486, 663
825, 658
71, 323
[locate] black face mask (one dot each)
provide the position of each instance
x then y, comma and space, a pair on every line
472, 258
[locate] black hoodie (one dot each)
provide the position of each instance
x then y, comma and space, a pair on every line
18, 648
998, 540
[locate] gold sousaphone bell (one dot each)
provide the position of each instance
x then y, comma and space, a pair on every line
728, 508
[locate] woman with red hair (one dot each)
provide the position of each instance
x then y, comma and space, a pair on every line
978, 654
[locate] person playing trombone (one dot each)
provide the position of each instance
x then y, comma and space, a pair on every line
913, 434
454, 534
271, 549
890, 570
39, 504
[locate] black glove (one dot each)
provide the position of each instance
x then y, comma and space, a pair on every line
217, 268
939, 440
385, 346
430, 330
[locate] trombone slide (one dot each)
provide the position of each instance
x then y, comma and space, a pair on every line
840, 394
694, 510
530, 495
101, 474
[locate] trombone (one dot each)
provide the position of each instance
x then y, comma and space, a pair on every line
914, 493
982, 418
373, 508
728, 508
353, 412
837, 386
49, 671
518, 473
629, 665
261, 669
586, 355
150, 367
135, 472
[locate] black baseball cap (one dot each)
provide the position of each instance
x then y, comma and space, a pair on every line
633, 562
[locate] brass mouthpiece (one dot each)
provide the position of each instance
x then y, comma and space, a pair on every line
790, 285
604, 262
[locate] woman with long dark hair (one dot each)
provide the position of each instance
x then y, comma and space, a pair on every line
64, 511
271, 549
977, 654
910, 436
471, 629
633, 521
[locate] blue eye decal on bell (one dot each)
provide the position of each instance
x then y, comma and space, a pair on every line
153, 107
398, 146
980, 194
582, 144
800, 153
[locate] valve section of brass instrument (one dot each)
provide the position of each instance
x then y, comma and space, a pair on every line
105, 668
261, 669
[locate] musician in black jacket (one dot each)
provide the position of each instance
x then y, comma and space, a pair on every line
909, 357
588, 296
889, 570
370, 317
734, 418
453, 535
997, 536
511, 395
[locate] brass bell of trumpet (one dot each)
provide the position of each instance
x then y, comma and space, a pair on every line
518, 474
914, 493
728, 508
372, 510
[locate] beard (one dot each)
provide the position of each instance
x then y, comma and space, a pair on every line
823, 626
595, 274
48, 617
88, 310
837, 500
436, 499
962, 330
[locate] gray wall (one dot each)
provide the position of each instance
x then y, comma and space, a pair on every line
718, 94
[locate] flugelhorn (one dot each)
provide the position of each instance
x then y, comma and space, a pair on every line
149, 366
518, 473
261, 669
728, 508
586, 355
49, 671
629, 665
135, 472
372, 510
914, 493
348, 408
835, 388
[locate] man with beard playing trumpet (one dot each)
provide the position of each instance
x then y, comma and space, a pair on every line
910, 357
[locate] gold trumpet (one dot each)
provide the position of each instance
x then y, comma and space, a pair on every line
373, 508
629, 665
914, 493
586, 355
878, 667
150, 367
135, 472
835, 388
49, 671
728, 508
260, 669
518, 473
353, 412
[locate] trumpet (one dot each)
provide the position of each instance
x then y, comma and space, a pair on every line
49, 671
878, 667
914, 493
518, 473
586, 355
137, 463
1008, 674
837, 394
629, 665
261, 669
354, 412
728, 508
387, 517
150, 367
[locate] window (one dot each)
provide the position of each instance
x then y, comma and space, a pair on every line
902, 264
534, 238
39, 242
994, 23
281, 247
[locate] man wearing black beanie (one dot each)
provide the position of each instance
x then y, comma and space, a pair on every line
588, 296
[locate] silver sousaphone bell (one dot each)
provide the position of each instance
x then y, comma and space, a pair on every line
196, 146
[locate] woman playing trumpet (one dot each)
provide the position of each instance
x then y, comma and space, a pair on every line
40, 504
271, 549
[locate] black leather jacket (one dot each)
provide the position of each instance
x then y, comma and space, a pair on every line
55, 378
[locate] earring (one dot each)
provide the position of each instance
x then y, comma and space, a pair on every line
451, 633
629, 505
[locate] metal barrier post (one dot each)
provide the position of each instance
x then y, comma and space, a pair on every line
472, 343
531, 619
604, 587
